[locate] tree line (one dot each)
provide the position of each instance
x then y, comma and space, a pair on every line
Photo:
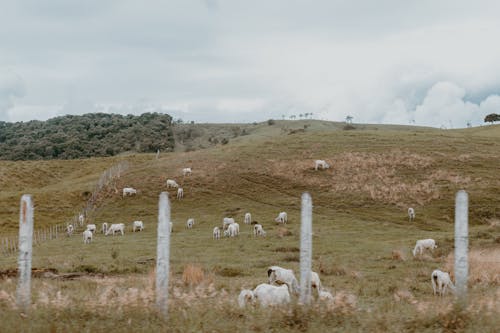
88, 135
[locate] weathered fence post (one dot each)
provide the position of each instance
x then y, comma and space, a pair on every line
25, 250
163, 255
305, 249
158, 154
461, 244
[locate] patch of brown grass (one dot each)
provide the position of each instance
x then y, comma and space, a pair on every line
398, 255
381, 176
404, 295
344, 302
193, 275
283, 232
484, 265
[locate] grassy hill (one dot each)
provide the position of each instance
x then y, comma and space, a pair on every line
362, 237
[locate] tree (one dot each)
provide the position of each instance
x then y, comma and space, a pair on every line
491, 118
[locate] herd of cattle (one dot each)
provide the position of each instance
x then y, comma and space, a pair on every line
282, 282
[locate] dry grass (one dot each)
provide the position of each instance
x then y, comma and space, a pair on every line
398, 255
193, 275
283, 232
484, 266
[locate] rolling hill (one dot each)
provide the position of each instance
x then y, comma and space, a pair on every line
362, 237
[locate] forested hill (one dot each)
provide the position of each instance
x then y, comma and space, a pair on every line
89, 135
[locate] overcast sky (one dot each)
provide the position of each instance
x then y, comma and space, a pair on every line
431, 63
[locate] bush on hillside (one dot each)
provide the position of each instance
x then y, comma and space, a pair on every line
89, 135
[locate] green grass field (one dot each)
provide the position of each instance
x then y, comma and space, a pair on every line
361, 245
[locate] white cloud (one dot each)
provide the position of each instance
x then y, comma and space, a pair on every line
444, 104
216, 60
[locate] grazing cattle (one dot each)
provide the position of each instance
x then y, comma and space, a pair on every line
190, 223
237, 228
258, 230
321, 164
87, 237
246, 296
324, 295
137, 225
69, 230
81, 219
282, 218
186, 172
226, 222
441, 280
231, 231
423, 244
267, 294
92, 227
104, 228
115, 227
316, 282
216, 233
129, 191
248, 218
172, 183
411, 214
279, 275
180, 193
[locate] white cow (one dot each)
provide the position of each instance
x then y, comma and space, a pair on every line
226, 222
137, 225
180, 193
69, 230
258, 230
87, 237
246, 296
411, 214
441, 280
186, 172
116, 227
248, 218
282, 218
237, 228
316, 282
172, 183
279, 275
190, 223
81, 219
267, 294
104, 228
324, 295
92, 227
321, 164
129, 191
231, 231
216, 233
423, 244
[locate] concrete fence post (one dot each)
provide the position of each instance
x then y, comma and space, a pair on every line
23, 297
461, 245
163, 255
305, 249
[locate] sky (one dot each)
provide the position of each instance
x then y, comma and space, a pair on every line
431, 63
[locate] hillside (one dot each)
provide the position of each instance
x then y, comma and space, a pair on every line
362, 237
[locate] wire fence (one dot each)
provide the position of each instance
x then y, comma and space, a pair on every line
10, 244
